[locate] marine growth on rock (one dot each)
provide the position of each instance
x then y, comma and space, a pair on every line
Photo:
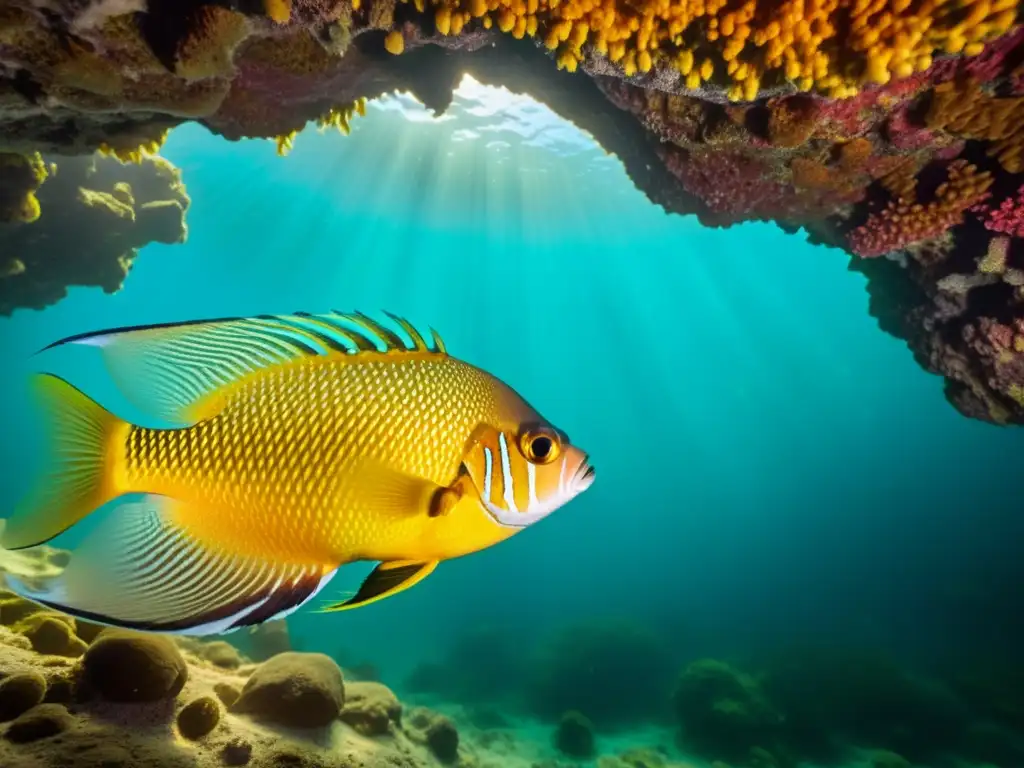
90, 216
889, 129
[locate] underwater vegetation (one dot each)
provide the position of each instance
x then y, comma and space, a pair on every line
818, 704
89, 218
890, 130
610, 673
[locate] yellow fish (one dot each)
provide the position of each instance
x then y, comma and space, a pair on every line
288, 447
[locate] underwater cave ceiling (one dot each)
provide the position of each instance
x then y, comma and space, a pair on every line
891, 129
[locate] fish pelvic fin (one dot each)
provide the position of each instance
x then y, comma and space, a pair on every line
385, 580
142, 569
77, 479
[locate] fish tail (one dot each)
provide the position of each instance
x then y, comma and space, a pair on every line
75, 482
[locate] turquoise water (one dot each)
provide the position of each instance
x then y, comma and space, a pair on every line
771, 467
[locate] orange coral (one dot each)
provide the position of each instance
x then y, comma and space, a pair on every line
848, 176
394, 42
901, 181
278, 10
854, 154
965, 109
810, 174
906, 221
833, 46
791, 121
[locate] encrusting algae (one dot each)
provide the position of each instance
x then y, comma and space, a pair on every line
341, 117
336, 117
20, 178
831, 46
135, 154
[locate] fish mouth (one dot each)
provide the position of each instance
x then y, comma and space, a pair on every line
584, 476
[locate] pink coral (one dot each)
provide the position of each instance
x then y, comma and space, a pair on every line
1017, 81
903, 133
1008, 218
998, 335
728, 183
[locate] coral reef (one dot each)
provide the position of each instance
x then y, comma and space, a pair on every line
888, 129
80, 221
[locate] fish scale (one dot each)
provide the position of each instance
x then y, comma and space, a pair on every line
289, 441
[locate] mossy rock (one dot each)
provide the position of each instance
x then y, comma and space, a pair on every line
131, 667
19, 693
723, 712
574, 736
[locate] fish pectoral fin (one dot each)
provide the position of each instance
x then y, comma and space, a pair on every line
141, 568
393, 493
385, 580
444, 499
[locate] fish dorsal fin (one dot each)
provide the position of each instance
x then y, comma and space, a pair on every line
170, 370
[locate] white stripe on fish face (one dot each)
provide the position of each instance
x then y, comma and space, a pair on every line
488, 467
561, 477
506, 474
531, 475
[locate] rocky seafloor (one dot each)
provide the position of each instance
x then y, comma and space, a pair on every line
77, 694
889, 129
600, 693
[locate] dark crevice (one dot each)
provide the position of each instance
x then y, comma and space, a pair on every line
165, 24
27, 87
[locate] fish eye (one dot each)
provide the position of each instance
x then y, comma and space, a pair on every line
540, 446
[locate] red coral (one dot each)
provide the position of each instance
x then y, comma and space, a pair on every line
998, 335
903, 133
729, 183
1017, 81
1008, 218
